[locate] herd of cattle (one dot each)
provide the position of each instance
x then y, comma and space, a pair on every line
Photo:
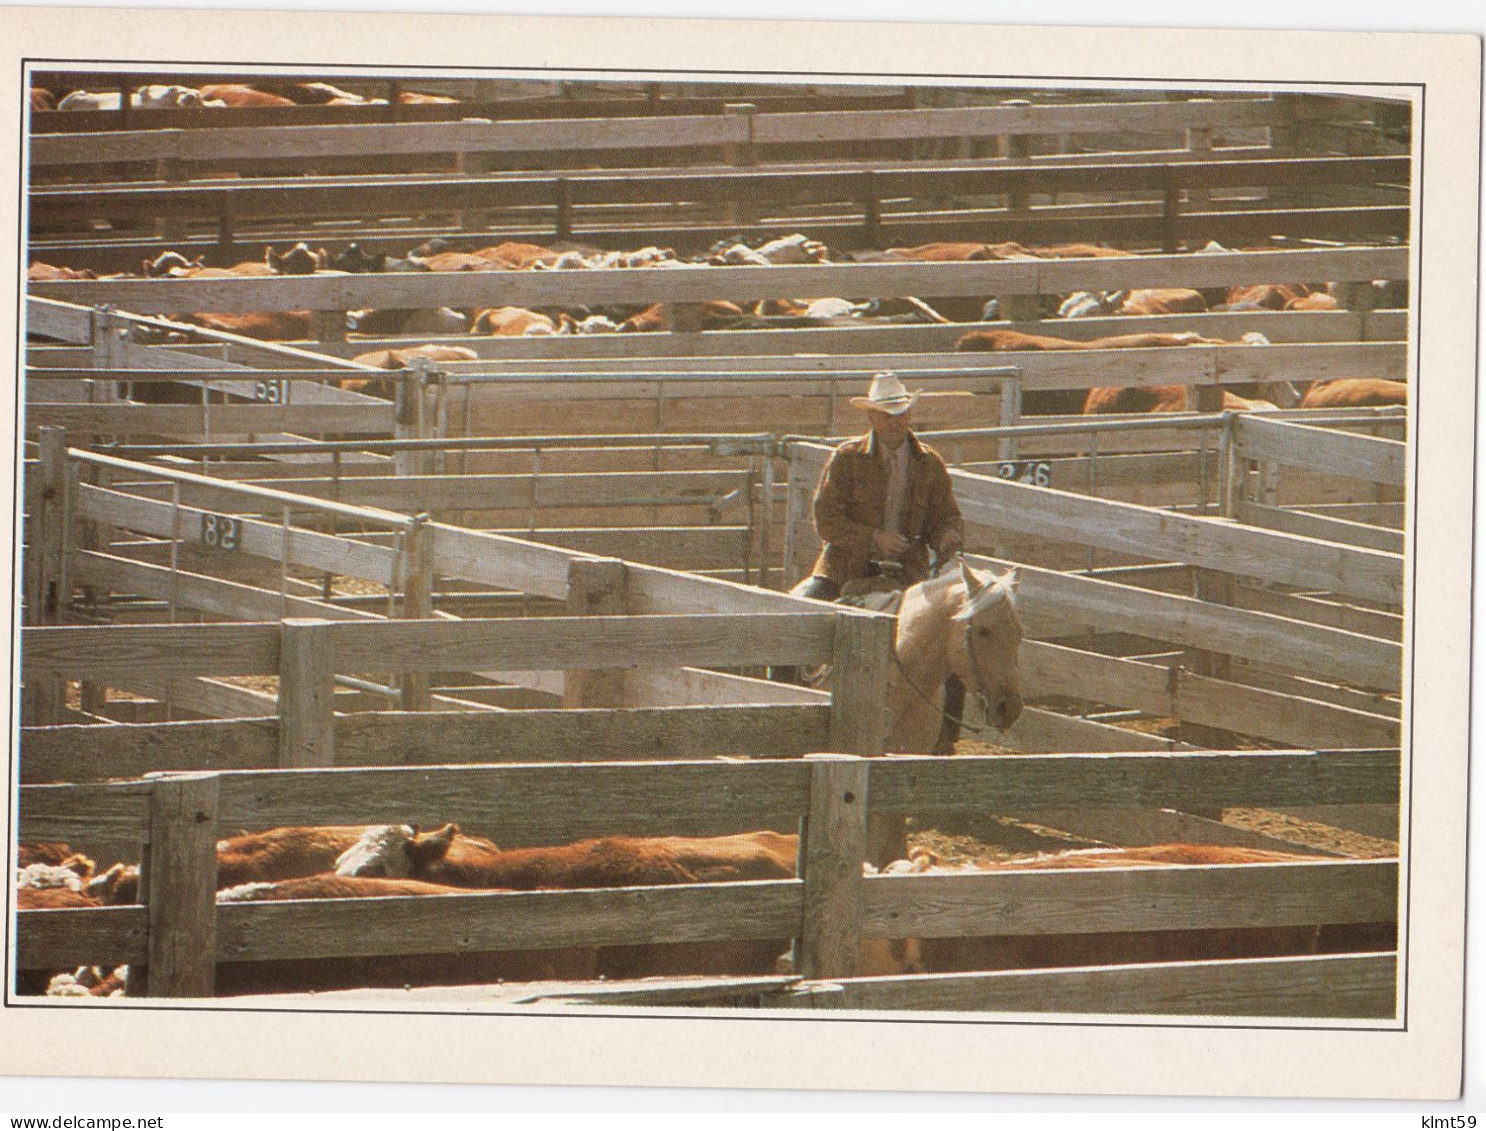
161, 96
378, 861
439, 255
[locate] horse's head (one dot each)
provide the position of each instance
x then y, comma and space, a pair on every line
985, 656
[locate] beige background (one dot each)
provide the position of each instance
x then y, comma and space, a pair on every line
981, 1056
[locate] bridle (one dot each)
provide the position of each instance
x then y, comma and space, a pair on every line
977, 673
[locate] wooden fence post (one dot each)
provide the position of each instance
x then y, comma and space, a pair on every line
871, 210
306, 693
1018, 148
180, 888
48, 572
417, 603
742, 155
1010, 416
861, 660
407, 417
833, 847
596, 588
1200, 146
171, 170
471, 164
797, 490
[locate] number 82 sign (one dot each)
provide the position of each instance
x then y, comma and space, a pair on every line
221, 531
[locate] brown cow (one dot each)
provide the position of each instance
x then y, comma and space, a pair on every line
453, 261
1318, 301
512, 321
240, 94
45, 273
400, 359
662, 316
263, 325
447, 856
273, 855
1163, 300
1354, 392
1270, 296
511, 256
1111, 399
42, 99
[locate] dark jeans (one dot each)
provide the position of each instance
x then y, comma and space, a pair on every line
817, 587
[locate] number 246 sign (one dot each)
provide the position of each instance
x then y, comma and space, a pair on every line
1039, 473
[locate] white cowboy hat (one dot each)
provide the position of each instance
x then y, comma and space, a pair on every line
887, 394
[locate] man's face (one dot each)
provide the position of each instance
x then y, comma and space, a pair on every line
891, 428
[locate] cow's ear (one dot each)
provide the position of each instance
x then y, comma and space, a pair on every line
433, 847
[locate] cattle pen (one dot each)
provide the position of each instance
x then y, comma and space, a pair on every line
537, 589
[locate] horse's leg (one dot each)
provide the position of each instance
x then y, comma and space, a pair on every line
954, 711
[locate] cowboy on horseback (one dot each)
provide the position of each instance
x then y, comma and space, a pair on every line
884, 501
884, 505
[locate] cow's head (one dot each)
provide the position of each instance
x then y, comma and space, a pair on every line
383, 850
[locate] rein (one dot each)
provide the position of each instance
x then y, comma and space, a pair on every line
976, 673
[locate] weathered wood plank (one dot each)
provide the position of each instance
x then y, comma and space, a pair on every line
1361, 986
306, 548
1293, 521
196, 591
112, 811
521, 644
526, 803
495, 921
63, 939
162, 651
633, 734
1186, 780
503, 492
1082, 901
79, 753
1370, 458
371, 419
288, 141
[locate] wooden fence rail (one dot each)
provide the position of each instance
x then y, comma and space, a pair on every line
698, 284
413, 194
677, 132
180, 933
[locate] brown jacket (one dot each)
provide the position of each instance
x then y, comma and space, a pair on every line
850, 500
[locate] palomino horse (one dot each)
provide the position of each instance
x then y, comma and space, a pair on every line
960, 623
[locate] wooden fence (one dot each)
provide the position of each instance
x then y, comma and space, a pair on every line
179, 935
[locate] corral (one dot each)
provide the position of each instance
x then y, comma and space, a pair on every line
535, 591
